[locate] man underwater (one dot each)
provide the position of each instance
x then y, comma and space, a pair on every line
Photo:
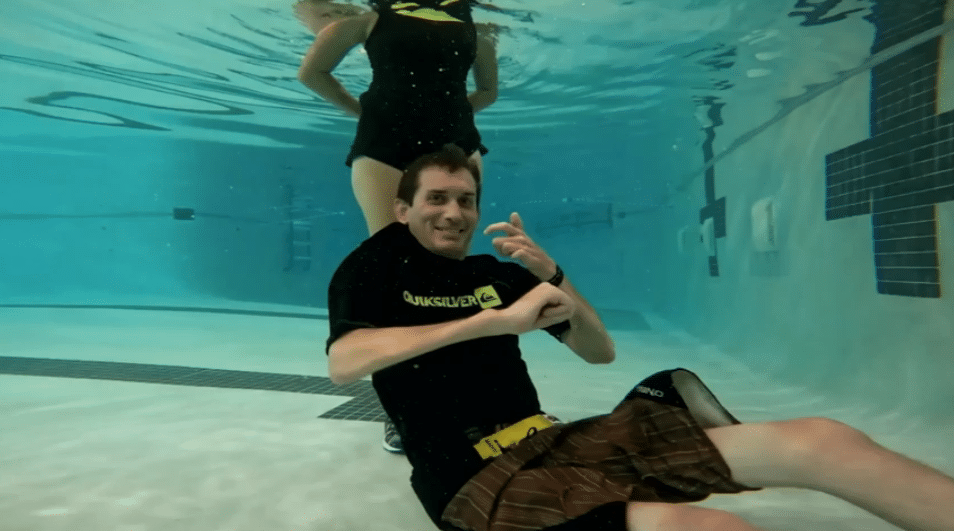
438, 331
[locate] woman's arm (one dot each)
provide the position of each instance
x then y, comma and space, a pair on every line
484, 70
316, 14
329, 48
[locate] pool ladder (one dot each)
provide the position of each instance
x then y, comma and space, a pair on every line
300, 226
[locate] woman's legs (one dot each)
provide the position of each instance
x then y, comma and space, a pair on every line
375, 186
479, 161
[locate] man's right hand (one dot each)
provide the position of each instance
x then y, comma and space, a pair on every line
543, 306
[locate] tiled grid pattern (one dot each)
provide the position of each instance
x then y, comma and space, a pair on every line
364, 405
899, 20
715, 208
907, 167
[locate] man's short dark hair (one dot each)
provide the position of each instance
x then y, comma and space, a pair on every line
450, 158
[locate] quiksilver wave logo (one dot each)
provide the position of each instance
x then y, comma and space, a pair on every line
488, 297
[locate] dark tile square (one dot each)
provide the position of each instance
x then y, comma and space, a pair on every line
923, 198
917, 244
837, 202
908, 274
910, 289
923, 153
943, 195
924, 182
945, 162
859, 209
905, 230
903, 216
926, 259
837, 213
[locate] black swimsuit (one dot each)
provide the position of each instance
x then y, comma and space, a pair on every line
420, 53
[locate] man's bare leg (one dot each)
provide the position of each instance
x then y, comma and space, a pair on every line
828, 456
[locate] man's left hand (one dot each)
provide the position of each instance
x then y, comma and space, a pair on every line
518, 246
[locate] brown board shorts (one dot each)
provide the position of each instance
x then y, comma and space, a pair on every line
642, 451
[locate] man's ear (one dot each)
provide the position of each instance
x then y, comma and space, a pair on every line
400, 210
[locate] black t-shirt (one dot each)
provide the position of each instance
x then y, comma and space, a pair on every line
439, 399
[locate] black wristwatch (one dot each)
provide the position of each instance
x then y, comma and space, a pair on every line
557, 277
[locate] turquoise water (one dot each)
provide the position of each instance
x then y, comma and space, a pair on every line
131, 112
127, 113
156, 159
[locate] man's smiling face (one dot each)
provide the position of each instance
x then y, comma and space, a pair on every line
444, 212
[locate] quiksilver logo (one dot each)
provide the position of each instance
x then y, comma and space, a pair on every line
647, 391
488, 297
461, 301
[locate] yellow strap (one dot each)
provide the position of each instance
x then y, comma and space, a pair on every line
494, 445
427, 13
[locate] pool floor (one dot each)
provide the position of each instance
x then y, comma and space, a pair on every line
85, 451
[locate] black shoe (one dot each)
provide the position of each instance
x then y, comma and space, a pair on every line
682, 388
392, 440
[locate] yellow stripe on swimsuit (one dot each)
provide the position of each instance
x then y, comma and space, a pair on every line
494, 444
427, 13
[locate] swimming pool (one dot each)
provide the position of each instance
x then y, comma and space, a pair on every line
762, 194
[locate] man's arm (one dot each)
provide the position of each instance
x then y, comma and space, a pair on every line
367, 350
587, 336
